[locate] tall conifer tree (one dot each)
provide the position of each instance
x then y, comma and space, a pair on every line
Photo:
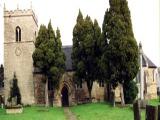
120, 50
86, 35
49, 57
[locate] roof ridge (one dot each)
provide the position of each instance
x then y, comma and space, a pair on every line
67, 46
148, 62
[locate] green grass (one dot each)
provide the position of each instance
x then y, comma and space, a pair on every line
35, 113
104, 111
154, 102
93, 111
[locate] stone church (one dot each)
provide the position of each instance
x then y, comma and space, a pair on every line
20, 31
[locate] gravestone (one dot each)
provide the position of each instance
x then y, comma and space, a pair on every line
151, 112
14, 101
136, 109
158, 112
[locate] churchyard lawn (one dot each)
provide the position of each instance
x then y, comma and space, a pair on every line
93, 111
35, 113
104, 111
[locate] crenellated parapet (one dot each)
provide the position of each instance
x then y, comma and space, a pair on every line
20, 13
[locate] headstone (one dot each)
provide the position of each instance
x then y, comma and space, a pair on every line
151, 112
137, 111
2, 105
14, 101
158, 93
158, 112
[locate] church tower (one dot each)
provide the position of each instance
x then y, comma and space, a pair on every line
20, 29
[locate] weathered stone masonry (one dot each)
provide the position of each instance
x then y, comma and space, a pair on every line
18, 54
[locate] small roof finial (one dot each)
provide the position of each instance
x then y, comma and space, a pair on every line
17, 7
30, 4
4, 7
140, 48
140, 45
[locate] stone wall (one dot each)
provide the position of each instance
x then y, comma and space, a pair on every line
98, 93
150, 87
118, 94
39, 89
77, 95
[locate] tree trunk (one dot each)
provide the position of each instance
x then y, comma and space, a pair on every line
113, 97
89, 86
53, 98
90, 95
122, 95
46, 93
158, 112
109, 92
137, 110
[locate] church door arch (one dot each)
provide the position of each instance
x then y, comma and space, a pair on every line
64, 96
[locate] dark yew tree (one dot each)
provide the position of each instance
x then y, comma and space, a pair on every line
76, 49
14, 91
48, 56
130, 91
86, 35
120, 50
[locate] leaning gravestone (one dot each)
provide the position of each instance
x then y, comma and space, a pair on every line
137, 111
158, 112
151, 112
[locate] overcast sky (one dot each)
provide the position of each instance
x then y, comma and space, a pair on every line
144, 13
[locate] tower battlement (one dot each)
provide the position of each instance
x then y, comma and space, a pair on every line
19, 12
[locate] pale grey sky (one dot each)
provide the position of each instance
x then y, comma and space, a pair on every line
144, 13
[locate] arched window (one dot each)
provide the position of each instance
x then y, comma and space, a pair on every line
18, 34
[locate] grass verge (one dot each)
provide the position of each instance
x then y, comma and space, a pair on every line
104, 111
35, 113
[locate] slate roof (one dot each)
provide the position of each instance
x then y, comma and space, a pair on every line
147, 62
68, 51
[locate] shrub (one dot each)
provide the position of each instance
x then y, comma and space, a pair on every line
14, 91
130, 91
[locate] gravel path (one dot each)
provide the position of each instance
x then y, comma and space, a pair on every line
69, 115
